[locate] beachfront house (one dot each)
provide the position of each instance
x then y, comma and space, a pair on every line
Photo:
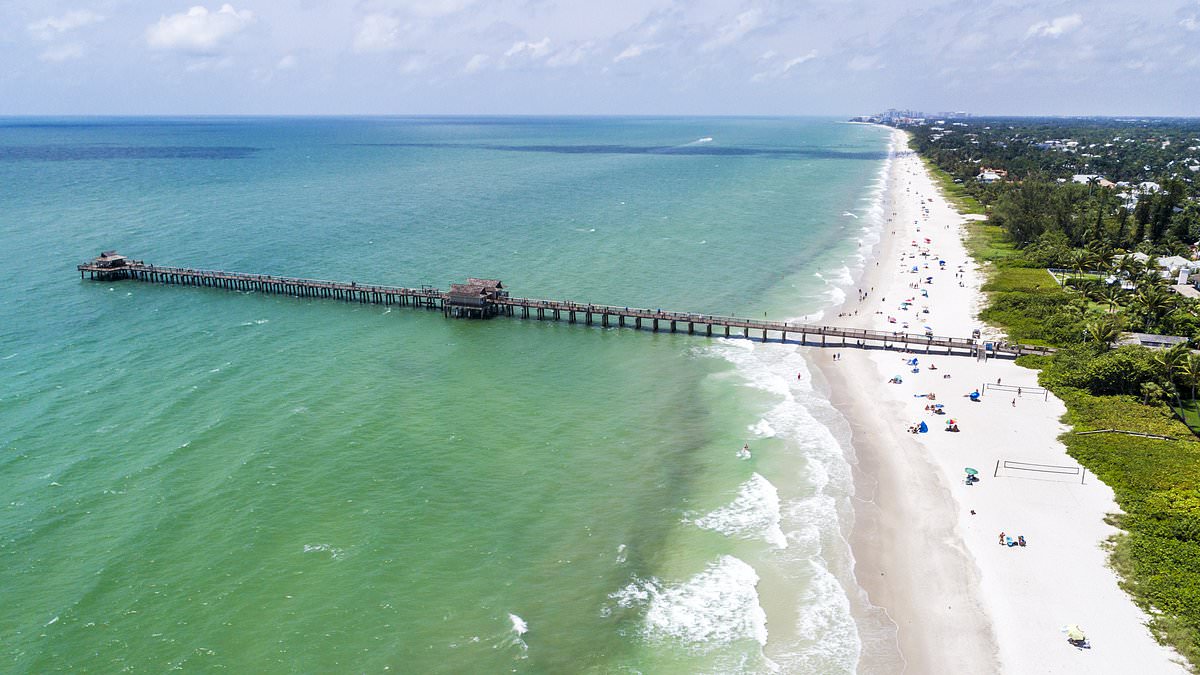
990, 175
1151, 341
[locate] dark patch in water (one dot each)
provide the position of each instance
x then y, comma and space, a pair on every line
68, 153
706, 149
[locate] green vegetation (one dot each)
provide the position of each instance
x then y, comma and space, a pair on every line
1039, 223
955, 192
1189, 412
1106, 185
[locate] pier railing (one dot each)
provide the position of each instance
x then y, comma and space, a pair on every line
491, 303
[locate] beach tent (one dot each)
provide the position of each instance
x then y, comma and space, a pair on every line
924, 428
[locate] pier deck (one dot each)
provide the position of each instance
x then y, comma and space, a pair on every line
493, 301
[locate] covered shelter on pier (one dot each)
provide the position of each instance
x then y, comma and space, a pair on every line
474, 299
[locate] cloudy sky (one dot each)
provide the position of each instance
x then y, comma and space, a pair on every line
794, 57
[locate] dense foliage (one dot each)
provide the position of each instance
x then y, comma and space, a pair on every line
1036, 222
1148, 166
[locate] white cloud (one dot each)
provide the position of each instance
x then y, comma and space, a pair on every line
60, 53
782, 69
414, 65
1191, 23
206, 63
732, 32
432, 8
535, 50
198, 30
477, 63
862, 62
570, 56
377, 33
52, 26
1055, 27
634, 51
286, 63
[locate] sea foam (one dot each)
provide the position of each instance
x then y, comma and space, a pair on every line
811, 520
716, 607
754, 512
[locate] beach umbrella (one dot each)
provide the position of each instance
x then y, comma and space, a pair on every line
950, 422
971, 472
939, 406
1074, 632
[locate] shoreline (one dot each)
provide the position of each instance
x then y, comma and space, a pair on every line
923, 541
891, 531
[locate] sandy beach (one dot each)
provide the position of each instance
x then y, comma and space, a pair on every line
927, 544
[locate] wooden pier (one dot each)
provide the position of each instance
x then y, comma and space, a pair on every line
484, 298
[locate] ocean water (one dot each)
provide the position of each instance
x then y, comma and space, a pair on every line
203, 480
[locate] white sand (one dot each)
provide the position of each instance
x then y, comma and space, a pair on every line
962, 602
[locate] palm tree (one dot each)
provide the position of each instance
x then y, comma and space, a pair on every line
1154, 302
1111, 295
1170, 359
1189, 370
1126, 267
1097, 257
1078, 260
1103, 331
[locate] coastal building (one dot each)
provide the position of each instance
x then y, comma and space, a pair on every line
474, 299
110, 260
1088, 178
990, 175
1152, 341
1173, 264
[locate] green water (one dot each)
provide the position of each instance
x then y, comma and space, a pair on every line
205, 480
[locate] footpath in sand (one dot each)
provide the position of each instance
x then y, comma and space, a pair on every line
927, 543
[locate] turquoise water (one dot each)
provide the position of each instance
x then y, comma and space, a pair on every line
205, 480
